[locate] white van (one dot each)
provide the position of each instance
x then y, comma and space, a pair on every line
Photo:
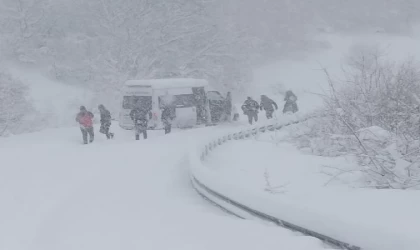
185, 93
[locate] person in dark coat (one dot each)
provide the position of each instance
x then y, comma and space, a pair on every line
235, 113
168, 115
105, 121
85, 120
290, 105
250, 108
140, 117
228, 107
268, 105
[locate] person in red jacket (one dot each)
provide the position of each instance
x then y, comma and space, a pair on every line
85, 120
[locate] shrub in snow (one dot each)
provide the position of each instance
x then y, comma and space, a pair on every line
376, 151
372, 115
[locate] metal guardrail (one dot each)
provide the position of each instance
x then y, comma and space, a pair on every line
246, 134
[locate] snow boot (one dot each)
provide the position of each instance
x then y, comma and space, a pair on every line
137, 137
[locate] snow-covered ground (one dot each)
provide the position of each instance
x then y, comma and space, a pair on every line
121, 194
281, 180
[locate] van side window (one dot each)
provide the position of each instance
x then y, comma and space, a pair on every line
130, 102
180, 101
185, 101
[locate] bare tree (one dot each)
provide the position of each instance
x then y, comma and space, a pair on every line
377, 97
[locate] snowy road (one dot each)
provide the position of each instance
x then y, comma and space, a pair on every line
121, 194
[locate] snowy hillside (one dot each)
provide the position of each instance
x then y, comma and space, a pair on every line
305, 75
56, 101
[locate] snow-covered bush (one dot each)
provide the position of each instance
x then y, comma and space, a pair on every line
14, 107
373, 115
377, 154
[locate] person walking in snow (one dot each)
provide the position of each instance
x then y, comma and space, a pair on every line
290, 105
250, 108
105, 122
228, 107
85, 120
268, 105
235, 113
168, 115
140, 117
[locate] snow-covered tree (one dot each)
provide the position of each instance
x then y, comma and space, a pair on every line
372, 114
13, 104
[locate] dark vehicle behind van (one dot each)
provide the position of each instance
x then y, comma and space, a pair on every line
217, 103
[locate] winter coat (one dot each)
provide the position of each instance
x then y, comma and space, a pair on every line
250, 106
105, 116
228, 104
290, 97
168, 114
85, 119
290, 106
267, 104
140, 117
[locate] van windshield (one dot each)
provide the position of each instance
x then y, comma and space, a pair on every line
130, 102
180, 101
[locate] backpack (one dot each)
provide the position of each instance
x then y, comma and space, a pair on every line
141, 122
86, 120
140, 118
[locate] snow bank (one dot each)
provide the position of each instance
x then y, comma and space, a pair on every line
374, 133
367, 218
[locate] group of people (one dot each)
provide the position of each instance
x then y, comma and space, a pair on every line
252, 107
139, 115
142, 115
85, 120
